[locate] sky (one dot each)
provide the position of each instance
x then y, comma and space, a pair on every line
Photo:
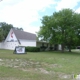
28, 13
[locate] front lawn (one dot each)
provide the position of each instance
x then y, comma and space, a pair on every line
39, 65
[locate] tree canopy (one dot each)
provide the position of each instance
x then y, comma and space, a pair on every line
1, 35
5, 28
62, 27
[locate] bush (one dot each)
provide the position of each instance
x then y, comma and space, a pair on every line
32, 49
51, 48
73, 47
43, 48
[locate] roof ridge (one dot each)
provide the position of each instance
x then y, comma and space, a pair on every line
24, 35
23, 31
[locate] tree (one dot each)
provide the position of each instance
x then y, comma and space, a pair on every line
21, 29
61, 28
1, 35
5, 28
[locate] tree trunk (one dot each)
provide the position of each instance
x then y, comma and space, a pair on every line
69, 48
62, 47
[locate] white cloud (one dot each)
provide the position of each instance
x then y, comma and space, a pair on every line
21, 13
32, 29
67, 4
78, 10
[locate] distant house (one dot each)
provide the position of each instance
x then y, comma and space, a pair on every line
48, 45
17, 38
22, 38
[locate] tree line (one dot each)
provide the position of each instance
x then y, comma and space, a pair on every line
62, 27
4, 30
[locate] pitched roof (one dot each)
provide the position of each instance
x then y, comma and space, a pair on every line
24, 35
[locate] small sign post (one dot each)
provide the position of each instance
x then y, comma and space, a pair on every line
19, 50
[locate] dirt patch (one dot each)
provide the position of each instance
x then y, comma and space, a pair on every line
30, 65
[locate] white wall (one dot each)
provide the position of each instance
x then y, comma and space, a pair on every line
11, 36
12, 45
0, 45
11, 42
59, 47
9, 45
28, 43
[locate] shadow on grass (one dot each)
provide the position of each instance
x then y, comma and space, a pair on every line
60, 52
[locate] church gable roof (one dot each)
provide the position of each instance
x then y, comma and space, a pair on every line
24, 35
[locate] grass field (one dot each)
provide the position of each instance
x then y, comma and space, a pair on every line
39, 65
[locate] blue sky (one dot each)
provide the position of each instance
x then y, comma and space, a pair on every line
27, 13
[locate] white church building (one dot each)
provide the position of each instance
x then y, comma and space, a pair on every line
18, 38
21, 38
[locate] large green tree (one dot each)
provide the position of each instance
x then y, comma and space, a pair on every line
61, 28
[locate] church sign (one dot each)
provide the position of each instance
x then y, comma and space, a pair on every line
19, 50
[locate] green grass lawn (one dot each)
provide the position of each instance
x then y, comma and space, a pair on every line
39, 65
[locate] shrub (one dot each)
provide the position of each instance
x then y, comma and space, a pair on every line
43, 48
32, 49
73, 47
51, 48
